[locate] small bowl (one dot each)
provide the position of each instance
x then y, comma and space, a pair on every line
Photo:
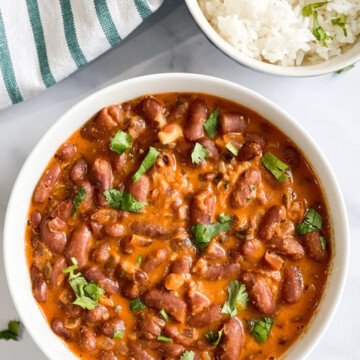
349, 57
16, 216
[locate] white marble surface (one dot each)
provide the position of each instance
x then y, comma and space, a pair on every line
328, 107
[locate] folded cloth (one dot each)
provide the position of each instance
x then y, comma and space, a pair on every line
43, 41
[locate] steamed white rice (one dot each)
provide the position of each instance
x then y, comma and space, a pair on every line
275, 31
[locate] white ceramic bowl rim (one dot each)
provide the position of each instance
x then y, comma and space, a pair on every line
350, 57
16, 215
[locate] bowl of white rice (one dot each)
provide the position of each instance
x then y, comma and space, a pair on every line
283, 37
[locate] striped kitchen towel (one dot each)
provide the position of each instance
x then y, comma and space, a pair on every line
43, 41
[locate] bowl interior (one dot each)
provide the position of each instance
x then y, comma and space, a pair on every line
350, 56
16, 216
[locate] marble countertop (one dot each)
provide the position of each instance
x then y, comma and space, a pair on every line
328, 108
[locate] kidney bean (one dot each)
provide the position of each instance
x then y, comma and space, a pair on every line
79, 245
202, 207
174, 281
40, 288
63, 210
105, 122
181, 265
100, 313
173, 305
139, 189
241, 195
87, 339
35, 219
249, 150
292, 156
137, 352
197, 301
153, 111
150, 325
92, 273
109, 327
149, 229
194, 129
313, 247
206, 317
186, 337
287, 246
107, 355
269, 222
211, 146
232, 122
259, 292
103, 176
155, 259
215, 252
46, 183
66, 152
57, 274
74, 311
59, 329
78, 171
53, 234
101, 254
114, 230
292, 285
216, 271
125, 245
136, 126
273, 261
232, 340
170, 349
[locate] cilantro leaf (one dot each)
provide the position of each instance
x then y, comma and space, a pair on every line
164, 338
78, 199
225, 218
211, 125
122, 200
187, 355
323, 242
345, 69
341, 21
199, 153
238, 299
203, 233
87, 294
312, 222
139, 260
309, 9
164, 315
12, 332
275, 166
232, 149
120, 142
318, 31
147, 163
118, 334
260, 328
137, 305
212, 338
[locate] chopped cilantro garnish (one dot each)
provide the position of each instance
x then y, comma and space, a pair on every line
232, 149
187, 355
213, 338
341, 21
147, 163
345, 69
80, 196
237, 300
120, 142
260, 328
312, 222
87, 294
12, 332
275, 166
323, 242
164, 338
211, 125
122, 200
164, 315
139, 260
137, 305
199, 153
118, 334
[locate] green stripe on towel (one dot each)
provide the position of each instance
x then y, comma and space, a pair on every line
7, 67
70, 33
36, 25
143, 8
106, 22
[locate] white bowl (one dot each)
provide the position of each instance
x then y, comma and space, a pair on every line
349, 57
16, 216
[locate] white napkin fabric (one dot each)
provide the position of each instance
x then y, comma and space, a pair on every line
43, 41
